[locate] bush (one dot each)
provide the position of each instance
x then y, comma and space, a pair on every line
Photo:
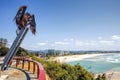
101, 77
3, 51
63, 71
21, 52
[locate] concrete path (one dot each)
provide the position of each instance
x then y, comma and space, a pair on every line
16, 73
13, 74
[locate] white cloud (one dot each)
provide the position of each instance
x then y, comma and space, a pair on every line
99, 37
112, 43
72, 39
9, 45
61, 43
65, 39
94, 43
116, 37
42, 44
30, 47
79, 43
85, 43
106, 42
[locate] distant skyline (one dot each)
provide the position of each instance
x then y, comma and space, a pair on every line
65, 24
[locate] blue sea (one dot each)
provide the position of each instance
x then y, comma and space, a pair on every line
101, 64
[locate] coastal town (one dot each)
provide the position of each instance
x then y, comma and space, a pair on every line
60, 40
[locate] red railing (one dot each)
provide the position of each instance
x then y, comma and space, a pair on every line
37, 67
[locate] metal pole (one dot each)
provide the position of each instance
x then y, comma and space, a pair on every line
14, 48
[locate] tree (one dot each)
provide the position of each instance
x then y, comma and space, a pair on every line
3, 51
3, 42
21, 52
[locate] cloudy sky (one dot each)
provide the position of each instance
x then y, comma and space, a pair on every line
65, 24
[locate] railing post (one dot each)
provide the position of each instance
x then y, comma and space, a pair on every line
33, 67
38, 72
17, 62
10, 62
23, 63
28, 65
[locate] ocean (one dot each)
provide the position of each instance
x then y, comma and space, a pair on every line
101, 64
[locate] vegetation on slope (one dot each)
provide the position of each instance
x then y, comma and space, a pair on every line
20, 52
63, 71
3, 51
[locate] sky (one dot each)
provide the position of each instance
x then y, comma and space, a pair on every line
65, 24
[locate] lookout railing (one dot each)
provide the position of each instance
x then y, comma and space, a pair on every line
36, 66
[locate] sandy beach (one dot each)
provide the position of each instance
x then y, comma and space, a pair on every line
112, 75
71, 58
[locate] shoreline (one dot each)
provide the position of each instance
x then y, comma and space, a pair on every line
71, 58
113, 74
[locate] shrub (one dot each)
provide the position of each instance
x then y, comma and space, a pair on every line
3, 51
63, 71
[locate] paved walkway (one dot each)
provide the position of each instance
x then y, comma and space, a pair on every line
13, 74
32, 76
16, 73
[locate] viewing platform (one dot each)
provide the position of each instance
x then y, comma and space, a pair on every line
23, 69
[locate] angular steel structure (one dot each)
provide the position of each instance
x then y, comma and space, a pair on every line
23, 19
14, 48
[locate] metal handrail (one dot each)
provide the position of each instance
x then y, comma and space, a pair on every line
40, 70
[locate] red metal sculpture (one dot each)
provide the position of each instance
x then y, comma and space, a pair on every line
24, 18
